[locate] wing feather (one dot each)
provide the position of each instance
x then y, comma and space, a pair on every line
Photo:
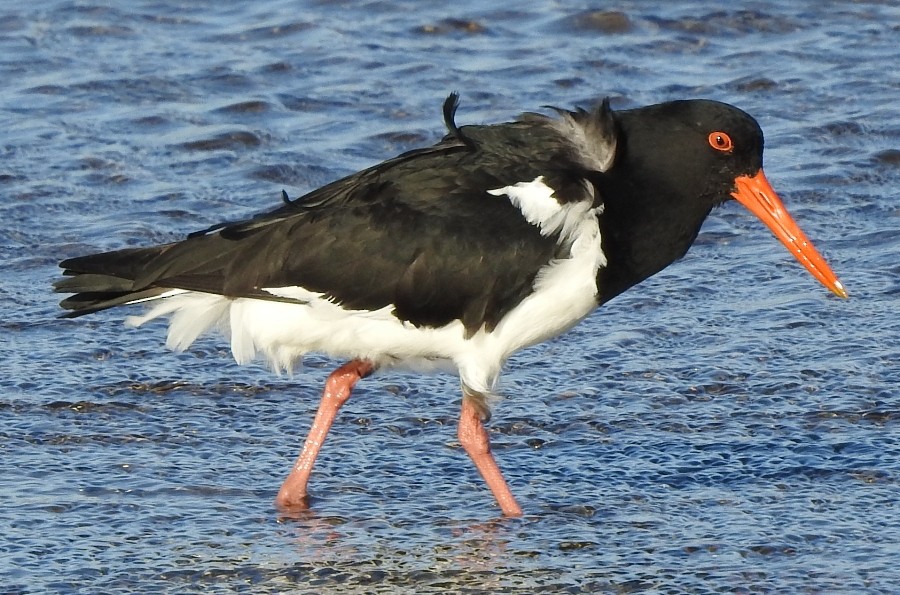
419, 232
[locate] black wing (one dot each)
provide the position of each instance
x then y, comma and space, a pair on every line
419, 232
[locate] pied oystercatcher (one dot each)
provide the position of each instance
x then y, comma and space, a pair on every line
455, 255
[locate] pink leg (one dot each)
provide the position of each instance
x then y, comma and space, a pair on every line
338, 387
475, 441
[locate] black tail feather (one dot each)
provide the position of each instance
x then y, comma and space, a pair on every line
105, 280
92, 283
125, 264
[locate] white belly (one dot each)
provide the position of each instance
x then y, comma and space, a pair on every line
565, 291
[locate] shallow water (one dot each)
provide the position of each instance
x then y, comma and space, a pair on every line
727, 426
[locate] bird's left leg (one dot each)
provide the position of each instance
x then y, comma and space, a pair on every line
340, 383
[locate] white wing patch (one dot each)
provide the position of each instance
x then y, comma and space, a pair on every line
537, 203
535, 200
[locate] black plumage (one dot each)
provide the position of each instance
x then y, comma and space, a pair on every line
418, 231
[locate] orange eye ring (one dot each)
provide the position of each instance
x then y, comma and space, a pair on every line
720, 141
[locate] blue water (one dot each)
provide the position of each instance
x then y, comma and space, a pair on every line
728, 426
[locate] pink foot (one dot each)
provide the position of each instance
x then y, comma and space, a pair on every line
293, 495
475, 441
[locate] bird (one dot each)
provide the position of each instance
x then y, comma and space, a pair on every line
453, 256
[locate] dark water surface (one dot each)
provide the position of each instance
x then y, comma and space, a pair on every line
729, 426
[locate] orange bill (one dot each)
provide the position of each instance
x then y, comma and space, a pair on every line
755, 193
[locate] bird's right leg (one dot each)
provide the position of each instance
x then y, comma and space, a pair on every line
475, 441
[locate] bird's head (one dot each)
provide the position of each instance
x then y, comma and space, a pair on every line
708, 152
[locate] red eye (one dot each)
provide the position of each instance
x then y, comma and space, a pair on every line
720, 141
